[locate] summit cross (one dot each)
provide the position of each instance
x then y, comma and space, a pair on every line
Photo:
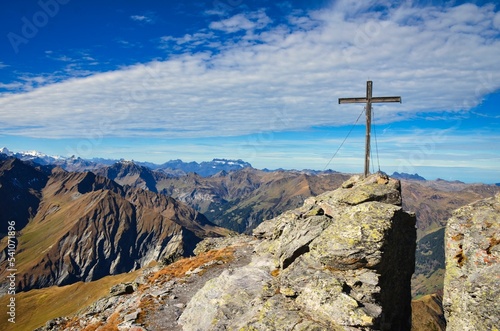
369, 100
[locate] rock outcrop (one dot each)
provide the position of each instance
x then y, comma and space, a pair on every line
130, 173
472, 279
343, 261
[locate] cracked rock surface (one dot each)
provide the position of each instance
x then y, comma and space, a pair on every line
472, 279
342, 261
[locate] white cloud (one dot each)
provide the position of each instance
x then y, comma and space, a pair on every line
223, 8
128, 44
496, 21
252, 21
217, 12
64, 58
278, 78
188, 41
142, 18
11, 86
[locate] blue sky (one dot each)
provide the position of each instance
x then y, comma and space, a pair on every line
255, 80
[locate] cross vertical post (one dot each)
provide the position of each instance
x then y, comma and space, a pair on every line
368, 112
369, 100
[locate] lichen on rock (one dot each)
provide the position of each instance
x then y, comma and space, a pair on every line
472, 279
342, 261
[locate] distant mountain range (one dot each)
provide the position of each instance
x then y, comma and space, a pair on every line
79, 226
404, 175
176, 168
173, 167
34, 156
204, 169
231, 194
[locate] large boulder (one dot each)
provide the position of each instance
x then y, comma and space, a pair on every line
343, 261
472, 279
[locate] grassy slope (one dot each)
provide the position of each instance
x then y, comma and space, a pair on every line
427, 313
424, 285
34, 308
39, 235
429, 264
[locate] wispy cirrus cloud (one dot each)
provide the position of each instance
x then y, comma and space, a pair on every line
280, 76
11, 86
129, 44
496, 21
142, 18
190, 42
76, 63
250, 21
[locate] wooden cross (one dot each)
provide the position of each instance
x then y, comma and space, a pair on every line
369, 100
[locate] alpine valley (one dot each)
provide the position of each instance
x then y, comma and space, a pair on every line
99, 223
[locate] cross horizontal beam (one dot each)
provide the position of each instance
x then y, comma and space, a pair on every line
372, 100
369, 100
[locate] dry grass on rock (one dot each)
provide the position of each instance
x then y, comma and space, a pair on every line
180, 268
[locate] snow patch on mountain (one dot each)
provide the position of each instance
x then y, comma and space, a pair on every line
173, 167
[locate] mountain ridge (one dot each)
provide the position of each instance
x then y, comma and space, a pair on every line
20, 191
341, 261
87, 226
241, 199
173, 167
176, 167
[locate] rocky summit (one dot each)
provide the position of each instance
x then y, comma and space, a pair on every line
342, 261
472, 279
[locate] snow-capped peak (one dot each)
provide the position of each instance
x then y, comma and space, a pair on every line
37, 154
32, 155
5, 150
238, 163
